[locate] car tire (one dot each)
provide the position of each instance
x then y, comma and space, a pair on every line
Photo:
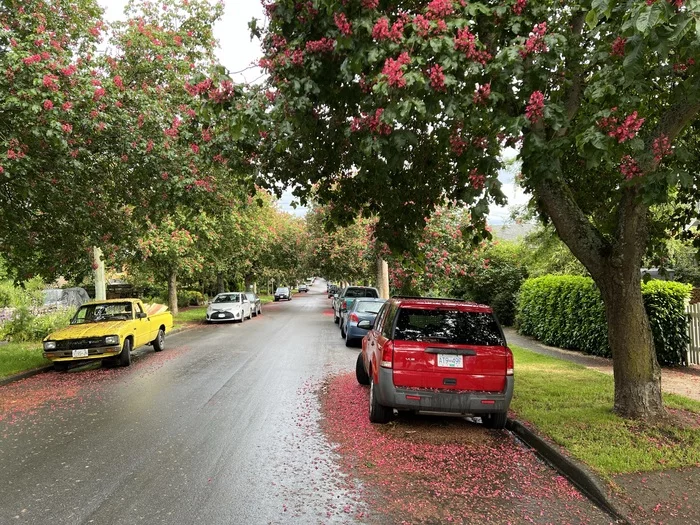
159, 341
378, 413
360, 372
342, 331
60, 366
496, 420
336, 319
260, 311
349, 341
125, 356
242, 317
250, 314
275, 299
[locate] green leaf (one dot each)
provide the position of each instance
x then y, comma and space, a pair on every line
592, 18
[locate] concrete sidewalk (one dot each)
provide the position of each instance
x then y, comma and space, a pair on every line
684, 381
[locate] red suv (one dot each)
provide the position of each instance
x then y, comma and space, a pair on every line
438, 355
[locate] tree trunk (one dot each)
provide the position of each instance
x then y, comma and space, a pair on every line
383, 278
636, 369
220, 283
172, 292
249, 282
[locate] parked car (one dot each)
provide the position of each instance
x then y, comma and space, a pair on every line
255, 303
303, 288
229, 306
364, 309
345, 299
283, 293
65, 297
108, 330
437, 355
332, 289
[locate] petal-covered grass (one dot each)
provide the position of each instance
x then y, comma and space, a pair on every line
437, 469
573, 406
20, 357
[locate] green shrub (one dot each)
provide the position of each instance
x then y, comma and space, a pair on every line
190, 298
567, 311
25, 326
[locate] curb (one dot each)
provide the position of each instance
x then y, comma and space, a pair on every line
583, 479
29, 373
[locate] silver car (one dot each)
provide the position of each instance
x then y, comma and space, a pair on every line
229, 306
364, 309
255, 303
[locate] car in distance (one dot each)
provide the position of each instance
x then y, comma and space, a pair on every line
332, 290
437, 355
255, 303
229, 306
303, 288
108, 330
345, 299
283, 293
365, 309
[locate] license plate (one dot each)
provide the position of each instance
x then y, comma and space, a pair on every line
80, 353
450, 361
220, 315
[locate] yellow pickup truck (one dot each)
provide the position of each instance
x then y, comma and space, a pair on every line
108, 330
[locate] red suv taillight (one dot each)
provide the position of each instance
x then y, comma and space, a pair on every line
509, 362
387, 355
344, 305
354, 318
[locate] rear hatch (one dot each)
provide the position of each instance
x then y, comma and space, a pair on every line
449, 348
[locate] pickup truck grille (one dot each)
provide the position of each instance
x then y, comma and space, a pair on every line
72, 344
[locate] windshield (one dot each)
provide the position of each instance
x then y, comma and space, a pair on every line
282, 290
251, 296
361, 292
96, 313
226, 298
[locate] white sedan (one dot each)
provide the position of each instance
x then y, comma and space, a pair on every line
229, 306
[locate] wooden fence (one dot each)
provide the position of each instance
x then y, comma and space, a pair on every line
693, 313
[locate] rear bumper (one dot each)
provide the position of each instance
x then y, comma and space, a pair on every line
442, 400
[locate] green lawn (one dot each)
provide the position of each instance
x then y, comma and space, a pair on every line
19, 357
573, 406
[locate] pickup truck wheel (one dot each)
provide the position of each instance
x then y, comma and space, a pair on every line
159, 341
360, 372
496, 421
125, 356
378, 413
60, 366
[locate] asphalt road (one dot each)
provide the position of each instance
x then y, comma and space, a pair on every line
218, 428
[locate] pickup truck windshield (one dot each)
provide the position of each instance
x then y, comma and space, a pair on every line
96, 313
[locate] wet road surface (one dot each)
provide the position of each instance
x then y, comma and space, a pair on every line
220, 428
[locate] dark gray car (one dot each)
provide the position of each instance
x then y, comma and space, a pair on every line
364, 309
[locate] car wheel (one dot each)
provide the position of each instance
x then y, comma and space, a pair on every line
60, 366
260, 311
496, 421
377, 413
336, 319
242, 317
159, 341
360, 372
349, 341
342, 331
250, 314
276, 299
125, 356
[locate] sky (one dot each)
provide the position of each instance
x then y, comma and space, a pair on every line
238, 53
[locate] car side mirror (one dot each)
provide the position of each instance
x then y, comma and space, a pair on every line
367, 325
141, 315
335, 296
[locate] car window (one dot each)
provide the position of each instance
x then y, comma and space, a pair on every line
370, 307
380, 317
448, 326
361, 292
251, 296
226, 298
389, 321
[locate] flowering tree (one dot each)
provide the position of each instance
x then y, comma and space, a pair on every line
394, 107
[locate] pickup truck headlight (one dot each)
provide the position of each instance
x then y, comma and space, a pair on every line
49, 345
112, 340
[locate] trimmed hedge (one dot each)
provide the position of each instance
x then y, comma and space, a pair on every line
567, 311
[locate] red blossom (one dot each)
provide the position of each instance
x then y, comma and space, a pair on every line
466, 41
99, 93
371, 122
68, 71
422, 25
476, 179
194, 148
66, 106
482, 94
661, 148
370, 4
67, 128
342, 23
519, 6
324, 45
32, 60
440, 8
118, 82
624, 131
437, 77
382, 30
535, 42
49, 82
629, 168
618, 47
48, 105
535, 107
393, 69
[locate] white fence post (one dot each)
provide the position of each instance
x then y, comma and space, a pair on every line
693, 313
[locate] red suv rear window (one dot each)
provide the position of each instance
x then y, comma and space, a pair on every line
448, 326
